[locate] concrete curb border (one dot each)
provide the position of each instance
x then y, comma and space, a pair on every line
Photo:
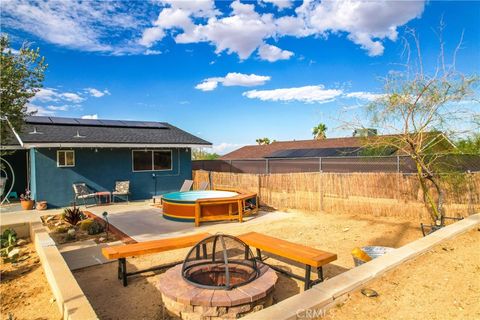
70, 298
314, 302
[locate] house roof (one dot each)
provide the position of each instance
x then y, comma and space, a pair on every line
316, 148
264, 151
64, 132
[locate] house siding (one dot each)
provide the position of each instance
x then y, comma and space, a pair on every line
99, 170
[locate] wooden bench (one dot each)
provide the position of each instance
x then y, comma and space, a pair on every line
310, 257
122, 252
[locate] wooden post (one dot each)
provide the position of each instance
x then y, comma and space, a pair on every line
197, 214
240, 210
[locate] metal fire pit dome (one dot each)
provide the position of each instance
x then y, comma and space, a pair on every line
220, 262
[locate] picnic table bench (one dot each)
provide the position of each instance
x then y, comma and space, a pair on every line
121, 252
308, 256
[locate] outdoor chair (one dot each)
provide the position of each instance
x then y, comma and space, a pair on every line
186, 186
203, 185
82, 192
122, 188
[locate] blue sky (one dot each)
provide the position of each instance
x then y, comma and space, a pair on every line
229, 72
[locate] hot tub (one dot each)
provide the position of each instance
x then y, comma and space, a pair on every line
180, 206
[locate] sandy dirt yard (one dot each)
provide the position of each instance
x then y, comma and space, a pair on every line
334, 233
24, 290
444, 283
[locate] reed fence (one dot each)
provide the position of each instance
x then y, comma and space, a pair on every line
377, 194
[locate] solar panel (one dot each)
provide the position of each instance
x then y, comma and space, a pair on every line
59, 120
111, 123
95, 122
318, 152
38, 119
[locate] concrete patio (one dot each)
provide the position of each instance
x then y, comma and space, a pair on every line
143, 222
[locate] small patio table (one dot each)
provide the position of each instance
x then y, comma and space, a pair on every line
106, 195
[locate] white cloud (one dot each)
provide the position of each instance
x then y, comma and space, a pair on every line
58, 108
225, 147
365, 22
97, 93
90, 116
307, 94
45, 95
39, 111
151, 35
232, 79
364, 95
280, 4
121, 28
70, 96
242, 32
52, 95
273, 53
149, 52
207, 85
96, 26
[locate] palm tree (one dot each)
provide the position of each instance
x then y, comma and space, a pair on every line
319, 131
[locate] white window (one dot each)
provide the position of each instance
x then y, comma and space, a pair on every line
151, 160
65, 158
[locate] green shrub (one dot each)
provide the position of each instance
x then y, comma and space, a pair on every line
73, 215
85, 224
8, 241
95, 228
61, 229
8, 238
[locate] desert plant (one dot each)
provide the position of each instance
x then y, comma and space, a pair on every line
8, 241
73, 215
8, 238
95, 228
85, 224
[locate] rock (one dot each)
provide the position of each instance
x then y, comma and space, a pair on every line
52, 299
14, 253
22, 242
49, 218
102, 239
345, 229
369, 293
71, 232
58, 223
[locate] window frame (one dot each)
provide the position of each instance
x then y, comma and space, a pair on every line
65, 165
152, 162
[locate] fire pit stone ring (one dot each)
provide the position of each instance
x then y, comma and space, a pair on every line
186, 300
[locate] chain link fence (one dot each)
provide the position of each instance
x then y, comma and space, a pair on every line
399, 164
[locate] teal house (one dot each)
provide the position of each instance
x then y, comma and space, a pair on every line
51, 154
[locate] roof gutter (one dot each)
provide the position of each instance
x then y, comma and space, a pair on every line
112, 145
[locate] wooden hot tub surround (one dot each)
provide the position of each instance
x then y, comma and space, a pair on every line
212, 209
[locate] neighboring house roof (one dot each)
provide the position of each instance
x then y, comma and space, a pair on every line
64, 132
320, 152
347, 146
263, 151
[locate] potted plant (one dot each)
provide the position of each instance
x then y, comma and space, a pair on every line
26, 200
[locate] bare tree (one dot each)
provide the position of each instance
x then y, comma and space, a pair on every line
419, 109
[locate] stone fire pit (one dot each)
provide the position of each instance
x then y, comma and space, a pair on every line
192, 302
